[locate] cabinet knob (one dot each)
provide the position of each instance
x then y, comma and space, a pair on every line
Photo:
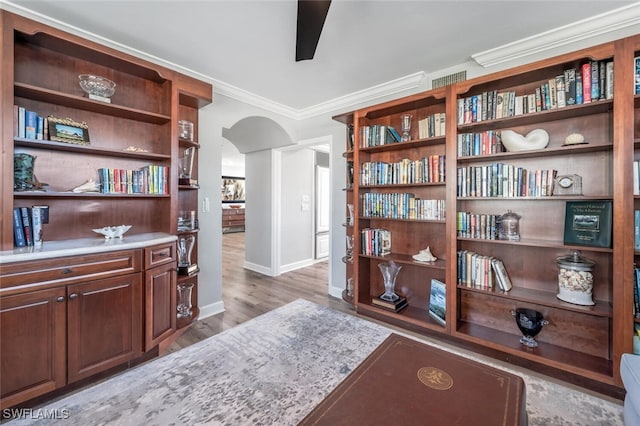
66, 271
73, 296
60, 299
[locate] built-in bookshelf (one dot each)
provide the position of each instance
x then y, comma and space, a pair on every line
589, 157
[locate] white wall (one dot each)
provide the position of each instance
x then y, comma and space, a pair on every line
297, 211
259, 212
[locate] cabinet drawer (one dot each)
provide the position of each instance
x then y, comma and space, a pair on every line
159, 255
67, 270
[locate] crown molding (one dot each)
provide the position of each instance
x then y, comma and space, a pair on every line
608, 22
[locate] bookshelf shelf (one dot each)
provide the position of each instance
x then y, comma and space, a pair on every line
89, 150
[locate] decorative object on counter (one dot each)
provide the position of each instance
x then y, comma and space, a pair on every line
68, 131
390, 272
530, 322
98, 88
567, 185
187, 221
535, 139
185, 247
508, 226
186, 167
350, 287
185, 130
575, 279
23, 177
574, 139
350, 217
406, 127
425, 255
111, 232
184, 300
89, 186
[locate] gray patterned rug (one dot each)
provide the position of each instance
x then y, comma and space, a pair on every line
272, 370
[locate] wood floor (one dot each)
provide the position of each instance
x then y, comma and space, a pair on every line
247, 294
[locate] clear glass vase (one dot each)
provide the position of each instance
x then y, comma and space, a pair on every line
389, 274
184, 300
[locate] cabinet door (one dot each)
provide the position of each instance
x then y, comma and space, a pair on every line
104, 324
160, 304
33, 348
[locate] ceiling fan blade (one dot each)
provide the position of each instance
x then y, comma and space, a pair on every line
311, 16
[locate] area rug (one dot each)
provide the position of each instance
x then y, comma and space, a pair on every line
273, 370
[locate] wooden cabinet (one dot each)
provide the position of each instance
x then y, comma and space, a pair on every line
66, 319
232, 220
582, 343
160, 294
35, 360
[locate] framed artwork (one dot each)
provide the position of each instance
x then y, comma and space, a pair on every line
232, 189
68, 131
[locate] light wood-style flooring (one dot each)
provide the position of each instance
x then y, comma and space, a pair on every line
247, 294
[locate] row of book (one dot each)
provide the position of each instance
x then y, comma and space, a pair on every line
377, 135
504, 180
27, 226
478, 226
28, 124
151, 179
429, 169
376, 241
432, 126
401, 206
479, 271
484, 143
588, 83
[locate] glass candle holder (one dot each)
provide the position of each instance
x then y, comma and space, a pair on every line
185, 131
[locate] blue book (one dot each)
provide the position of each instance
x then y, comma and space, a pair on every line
18, 231
579, 94
21, 118
30, 124
40, 128
637, 230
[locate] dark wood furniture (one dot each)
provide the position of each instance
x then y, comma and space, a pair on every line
138, 128
582, 344
232, 220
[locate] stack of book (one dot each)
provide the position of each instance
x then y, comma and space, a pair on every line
479, 271
396, 306
27, 225
376, 242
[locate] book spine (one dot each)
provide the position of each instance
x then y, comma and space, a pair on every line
595, 80
18, 230
21, 120
636, 220
26, 225
36, 224
30, 124
570, 86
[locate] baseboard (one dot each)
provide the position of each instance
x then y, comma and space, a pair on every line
297, 265
258, 268
336, 292
211, 309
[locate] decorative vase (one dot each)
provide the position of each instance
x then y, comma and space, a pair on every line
23, 165
389, 273
184, 300
530, 322
575, 279
406, 127
186, 166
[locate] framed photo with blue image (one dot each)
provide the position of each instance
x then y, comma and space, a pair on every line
438, 301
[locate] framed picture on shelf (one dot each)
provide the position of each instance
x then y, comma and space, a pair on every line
232, 189
68, 131
588, 223
438, 301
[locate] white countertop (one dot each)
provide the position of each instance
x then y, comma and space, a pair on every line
51, 249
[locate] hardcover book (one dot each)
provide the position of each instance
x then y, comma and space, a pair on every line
588, 223
438, 301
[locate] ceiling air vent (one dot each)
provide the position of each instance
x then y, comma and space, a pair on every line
448, 79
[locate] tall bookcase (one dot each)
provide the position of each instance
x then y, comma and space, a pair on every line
139, 127
582, 344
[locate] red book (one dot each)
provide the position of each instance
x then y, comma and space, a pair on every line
586, 83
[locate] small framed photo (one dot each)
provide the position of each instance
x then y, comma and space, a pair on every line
68, 131
438, 301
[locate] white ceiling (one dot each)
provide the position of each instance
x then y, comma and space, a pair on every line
250, 45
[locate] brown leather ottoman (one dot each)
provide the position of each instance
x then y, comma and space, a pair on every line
405, 382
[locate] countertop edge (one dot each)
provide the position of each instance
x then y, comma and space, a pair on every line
53, 249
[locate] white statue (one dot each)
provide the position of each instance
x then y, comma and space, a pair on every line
425, 256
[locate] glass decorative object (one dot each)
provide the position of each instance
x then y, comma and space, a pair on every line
575, 279
530, 322
186, 166
350, 217
508, 226
185, 247
184, 300
185, 130
406, 127
389, 273
98, 88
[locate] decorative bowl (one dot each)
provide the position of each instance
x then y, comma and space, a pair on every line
111, 232
98, 86
535, 139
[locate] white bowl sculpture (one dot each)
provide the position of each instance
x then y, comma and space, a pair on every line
110, 232
535, 139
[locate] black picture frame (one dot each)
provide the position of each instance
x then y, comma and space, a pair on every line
232, 189
68, 131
